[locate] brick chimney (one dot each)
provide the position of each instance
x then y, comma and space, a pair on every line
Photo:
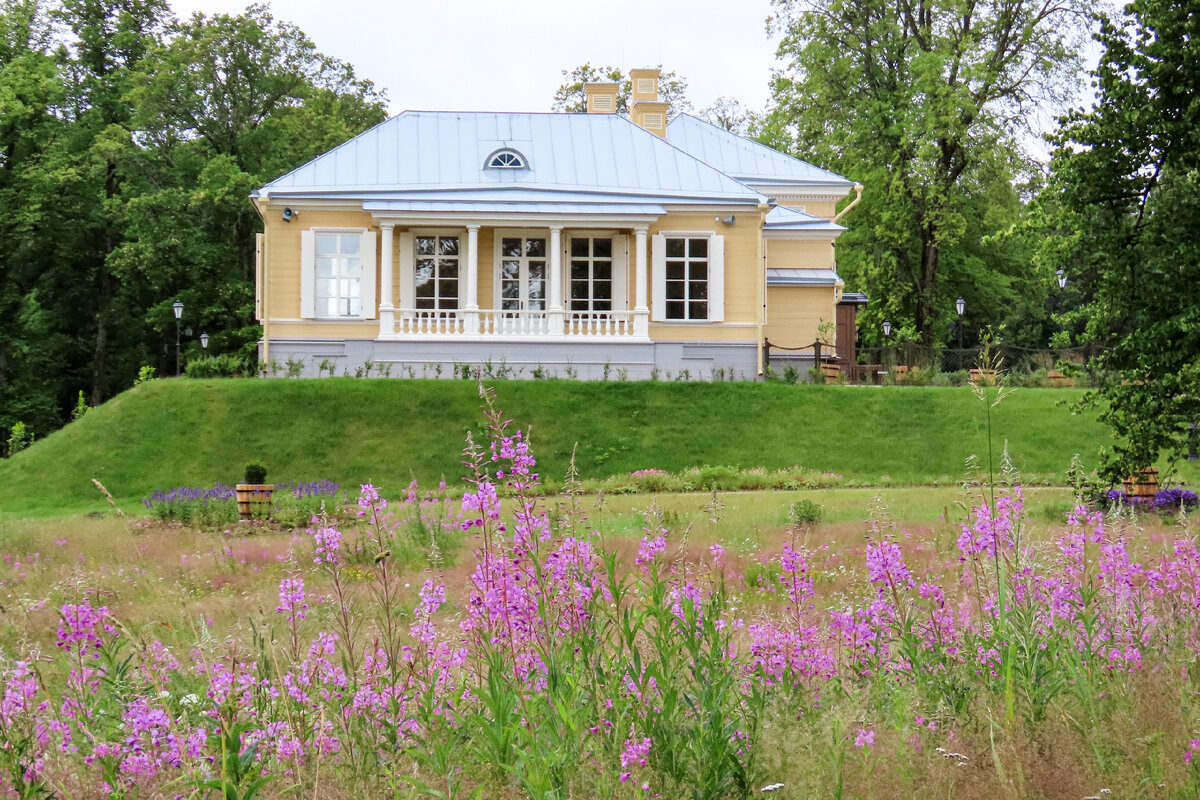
601, 97
647, 111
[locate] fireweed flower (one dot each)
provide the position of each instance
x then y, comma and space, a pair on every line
82, 629
329, 546
292, 600
886, 567
865, 738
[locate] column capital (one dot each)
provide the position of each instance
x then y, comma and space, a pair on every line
475, 227
642, 229
387, 226
558, 228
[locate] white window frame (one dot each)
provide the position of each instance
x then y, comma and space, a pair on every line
407, 272
498, 258
308, 273
620, 267
716, 276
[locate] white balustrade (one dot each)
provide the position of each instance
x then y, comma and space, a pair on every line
427, 322
532, 324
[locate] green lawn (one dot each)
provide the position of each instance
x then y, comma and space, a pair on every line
188, 432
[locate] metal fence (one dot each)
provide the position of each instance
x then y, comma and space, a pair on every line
874, 364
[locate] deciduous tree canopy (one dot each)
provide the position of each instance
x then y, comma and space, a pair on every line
924, 102
1127, 192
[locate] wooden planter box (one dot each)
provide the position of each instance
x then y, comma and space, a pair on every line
1057, 379
254, 500
832, 372
1143, 483
983, 377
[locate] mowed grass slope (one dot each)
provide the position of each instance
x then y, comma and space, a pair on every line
188, 432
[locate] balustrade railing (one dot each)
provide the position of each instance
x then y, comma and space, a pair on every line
492, 322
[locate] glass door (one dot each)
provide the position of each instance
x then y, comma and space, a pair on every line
522, 274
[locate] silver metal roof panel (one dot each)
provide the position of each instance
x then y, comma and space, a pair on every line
742, 158
802, 277
445, 151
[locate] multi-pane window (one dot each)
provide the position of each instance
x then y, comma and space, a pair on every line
522, 273
436, 272
687, 278
339, 274
591, 274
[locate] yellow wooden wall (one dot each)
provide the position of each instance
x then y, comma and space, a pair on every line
282, 257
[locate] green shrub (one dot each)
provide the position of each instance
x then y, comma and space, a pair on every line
220, 366
19, 438
256, 473
804, 512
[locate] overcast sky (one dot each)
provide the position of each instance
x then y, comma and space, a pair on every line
472, 55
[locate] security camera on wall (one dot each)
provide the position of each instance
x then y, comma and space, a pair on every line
289, 214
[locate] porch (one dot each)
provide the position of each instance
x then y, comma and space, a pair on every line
533, 296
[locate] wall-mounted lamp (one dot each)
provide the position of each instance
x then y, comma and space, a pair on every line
727, 220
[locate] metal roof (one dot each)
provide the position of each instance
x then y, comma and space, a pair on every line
500, 207
854, 298
438, 152
781, 218
802, 277
745, 159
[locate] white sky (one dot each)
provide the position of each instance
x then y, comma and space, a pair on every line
472, 55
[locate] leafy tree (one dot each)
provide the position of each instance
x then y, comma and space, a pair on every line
227, 104
729, 113
1127, 191
572, 97
922, 101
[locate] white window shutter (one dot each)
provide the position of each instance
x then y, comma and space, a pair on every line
407, 267
716, 279
658, 276
308, 275
620, 285
369, 276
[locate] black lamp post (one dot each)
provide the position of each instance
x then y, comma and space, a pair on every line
177, 307
204, 340
960, 306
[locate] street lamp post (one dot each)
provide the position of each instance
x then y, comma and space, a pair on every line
1062, 278
177, 307
204, 341
960, 306
887, 344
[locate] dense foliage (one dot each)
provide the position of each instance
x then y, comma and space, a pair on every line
926, 103
129, 142
1127, 197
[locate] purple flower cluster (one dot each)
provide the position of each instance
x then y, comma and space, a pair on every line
1163, 500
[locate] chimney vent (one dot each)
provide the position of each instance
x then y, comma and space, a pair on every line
647, 111
601, 98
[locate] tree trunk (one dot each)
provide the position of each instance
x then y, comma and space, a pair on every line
926, 314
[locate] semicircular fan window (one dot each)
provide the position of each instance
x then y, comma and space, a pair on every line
506, 159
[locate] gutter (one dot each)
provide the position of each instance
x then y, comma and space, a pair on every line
858, 187
265, 283
761, 280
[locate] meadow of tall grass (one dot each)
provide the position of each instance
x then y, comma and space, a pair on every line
502, 645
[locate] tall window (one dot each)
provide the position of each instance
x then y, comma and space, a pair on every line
522, 273
591, 274
436, 272
687, 278
339, 275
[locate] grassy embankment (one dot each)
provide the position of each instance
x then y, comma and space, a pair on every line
180, 432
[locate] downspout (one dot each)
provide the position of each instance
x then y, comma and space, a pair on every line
858, 187
265, 284
761, 279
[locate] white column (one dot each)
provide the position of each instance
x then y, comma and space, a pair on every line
471, 309
387, 321
556, 281
641, 312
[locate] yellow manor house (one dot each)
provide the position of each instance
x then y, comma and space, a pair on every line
567, 244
